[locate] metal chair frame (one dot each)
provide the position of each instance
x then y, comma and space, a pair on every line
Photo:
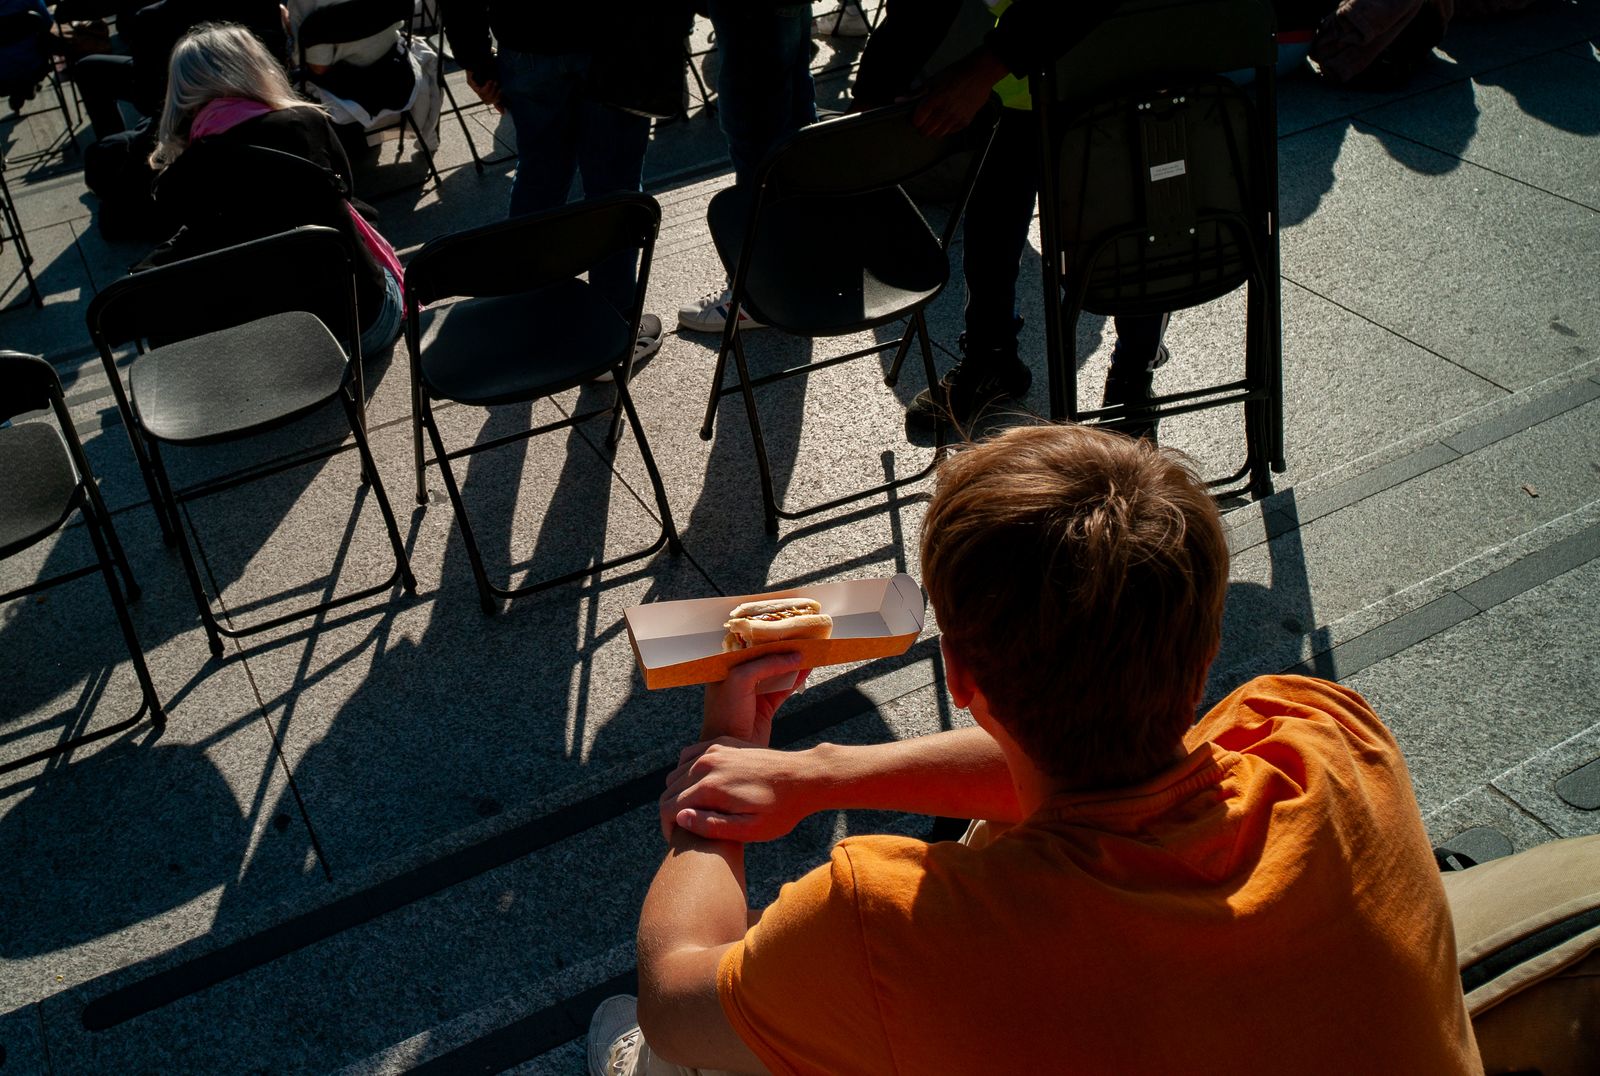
916, 327
18, 27
128, 294
1147, 88
418, 295
11, 230
109, 557
403, 13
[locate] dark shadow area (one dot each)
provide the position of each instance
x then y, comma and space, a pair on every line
1262, 626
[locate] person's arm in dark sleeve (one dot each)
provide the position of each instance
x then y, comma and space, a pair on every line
466, 24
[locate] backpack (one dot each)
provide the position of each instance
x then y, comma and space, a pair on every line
1528, 944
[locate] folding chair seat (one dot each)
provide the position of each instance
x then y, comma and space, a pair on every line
522, 327
1159, 192
351, 21
879, 263
44, 478
261, 361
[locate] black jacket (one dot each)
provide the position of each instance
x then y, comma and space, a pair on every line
223, 198
548, 27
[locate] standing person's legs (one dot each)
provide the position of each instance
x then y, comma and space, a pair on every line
994, 236
611, 148
764, 87
764, 94
541, 94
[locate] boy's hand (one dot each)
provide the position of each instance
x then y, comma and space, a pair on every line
742, 705
727, 790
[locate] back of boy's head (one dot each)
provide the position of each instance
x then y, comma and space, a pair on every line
1079, 576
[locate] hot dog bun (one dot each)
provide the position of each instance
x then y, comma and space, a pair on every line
773, 620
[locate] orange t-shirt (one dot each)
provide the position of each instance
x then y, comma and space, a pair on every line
1270, 904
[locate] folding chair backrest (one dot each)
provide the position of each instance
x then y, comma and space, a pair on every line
1160, 163
1146, 38
27, 383
524, 253
309, 268
866, 151
21, 26
350, 20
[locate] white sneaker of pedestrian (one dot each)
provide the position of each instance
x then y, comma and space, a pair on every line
709, 314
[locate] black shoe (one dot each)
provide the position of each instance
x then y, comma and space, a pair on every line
1133, 384
985, 375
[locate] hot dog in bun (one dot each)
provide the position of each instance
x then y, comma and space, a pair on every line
754, 623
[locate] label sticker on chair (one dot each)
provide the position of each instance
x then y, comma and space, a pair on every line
1167, 171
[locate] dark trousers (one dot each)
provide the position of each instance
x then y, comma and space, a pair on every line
995, 235
104, 80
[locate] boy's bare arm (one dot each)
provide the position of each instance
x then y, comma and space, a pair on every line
695, 910
729, 790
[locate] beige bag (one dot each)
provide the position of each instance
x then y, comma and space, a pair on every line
1528, 943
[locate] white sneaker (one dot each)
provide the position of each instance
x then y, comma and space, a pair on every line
645, 346
848, 21
613, 1031
709, 314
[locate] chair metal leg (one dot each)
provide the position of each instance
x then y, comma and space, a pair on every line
466, 130
427, 154
900, 353
66, 116
190, 569
129, 584
729, 341
671, 532
106, 546
358, 424
485, 595
418, 404
169, 525
768, 497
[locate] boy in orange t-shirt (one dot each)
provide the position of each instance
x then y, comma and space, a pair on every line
1252, 893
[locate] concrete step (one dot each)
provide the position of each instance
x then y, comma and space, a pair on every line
488, 948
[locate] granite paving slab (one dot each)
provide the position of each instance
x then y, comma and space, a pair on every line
1466, 263
1328, 568
384, 693
1532, 783
1485, 807
131, 842
22, 1042
1460, 730
1557, 152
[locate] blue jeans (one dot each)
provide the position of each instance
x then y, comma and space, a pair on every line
385, 328
561, 133
764, 88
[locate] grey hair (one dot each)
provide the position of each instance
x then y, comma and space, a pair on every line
211, 61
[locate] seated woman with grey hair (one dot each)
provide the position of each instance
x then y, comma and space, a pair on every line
226, 96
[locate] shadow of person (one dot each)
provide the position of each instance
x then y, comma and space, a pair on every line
113, 840
1448, 124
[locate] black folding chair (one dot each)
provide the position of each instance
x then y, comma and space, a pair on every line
881, 263
44, 477
1160, 192
353, 20
526, 327
238, 352
25, 26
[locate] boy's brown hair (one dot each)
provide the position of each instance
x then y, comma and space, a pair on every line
1080, 576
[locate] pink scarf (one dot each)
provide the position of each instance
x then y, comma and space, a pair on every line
223, 113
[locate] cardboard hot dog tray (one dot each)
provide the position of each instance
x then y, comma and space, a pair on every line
680, 643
